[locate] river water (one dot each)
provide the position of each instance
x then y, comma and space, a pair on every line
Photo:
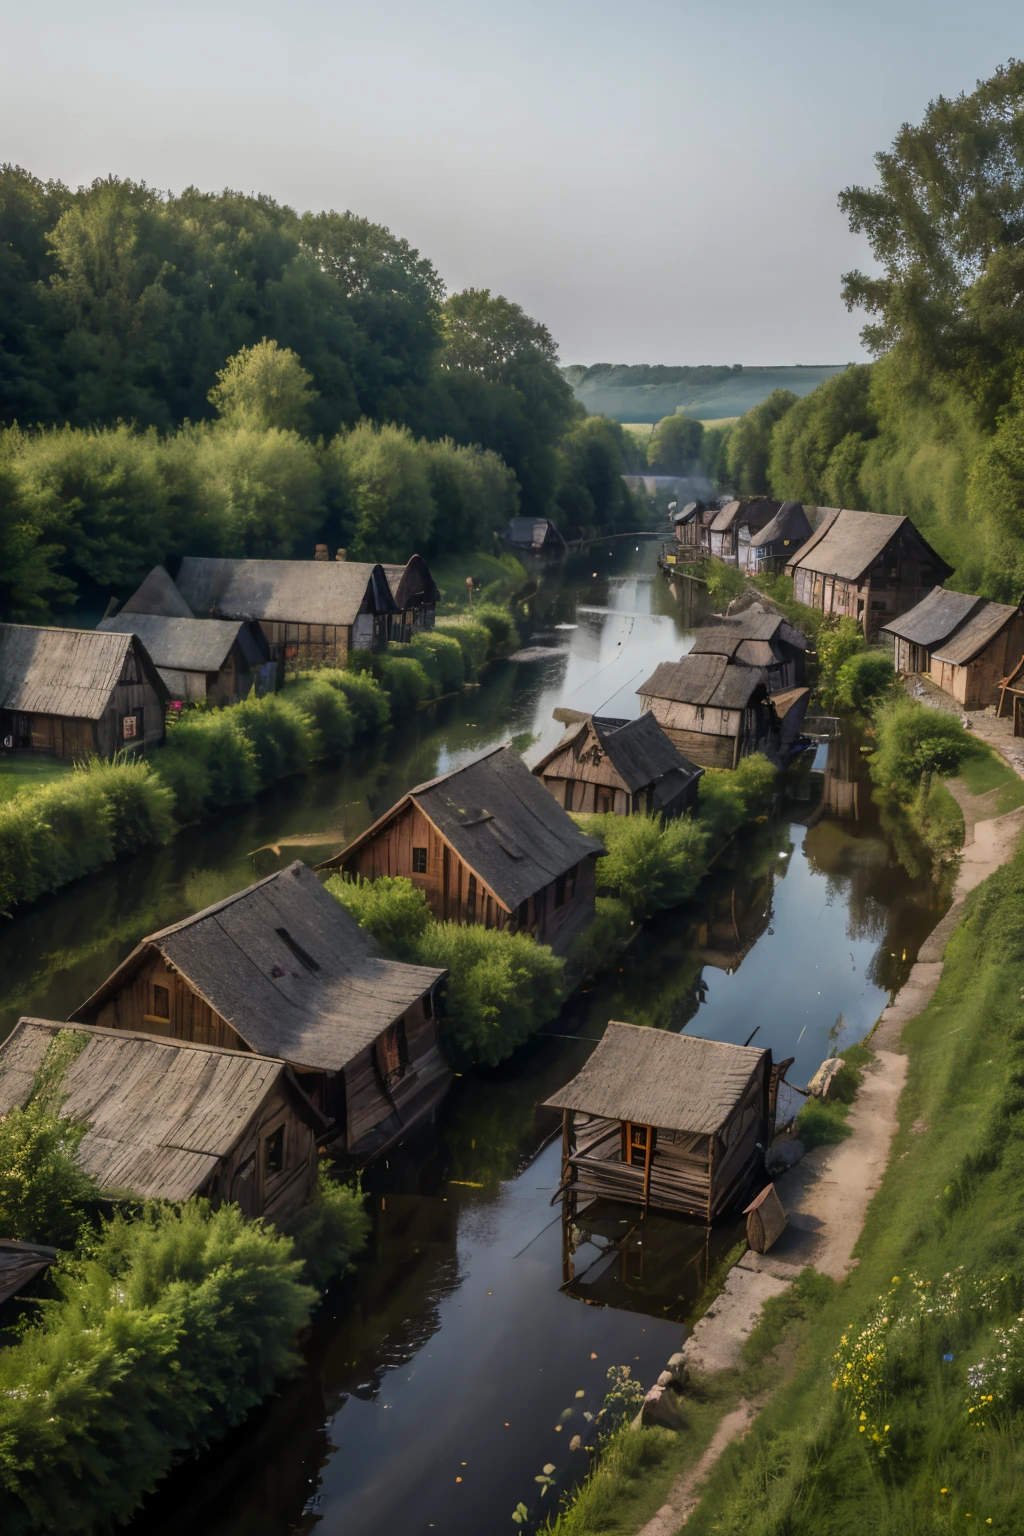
454, 1365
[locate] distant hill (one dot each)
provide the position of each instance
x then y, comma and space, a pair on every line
639, 392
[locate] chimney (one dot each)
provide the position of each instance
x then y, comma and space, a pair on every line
321, 552
342, 554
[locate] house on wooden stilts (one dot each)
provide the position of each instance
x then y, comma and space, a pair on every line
486, 844
283, 970
628, 767
168, 1120
664, 1120
76, 693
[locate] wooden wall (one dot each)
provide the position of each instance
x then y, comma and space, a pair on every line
896, 582
72, 739
706, 736
977, 684
243, 1177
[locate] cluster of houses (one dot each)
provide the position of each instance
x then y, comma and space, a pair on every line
219, 631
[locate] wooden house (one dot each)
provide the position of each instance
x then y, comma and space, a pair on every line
76, 693
487, 844
281, 969
713, 710
536, 534
967, 645
168, 1120
866, 566
213, 661
690, 523
416, 597
665, 1120
736, 522
758, 637
626, 766
772, 547
311, 612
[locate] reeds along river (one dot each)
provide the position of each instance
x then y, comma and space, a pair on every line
442, 1377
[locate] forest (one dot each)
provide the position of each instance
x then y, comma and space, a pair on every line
933, 428
215, 373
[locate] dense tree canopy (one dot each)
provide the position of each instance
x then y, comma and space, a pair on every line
675, 445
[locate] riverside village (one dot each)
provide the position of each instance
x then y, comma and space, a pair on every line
511, 884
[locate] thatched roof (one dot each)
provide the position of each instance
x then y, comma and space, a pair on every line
638, 750
188, 645
161, 1113
706, 680
288, 968
752, 512
790, 522
66, 672
980, 630
848, 542
689, 512
158, 594
935, 618
285, 591
654, 1077
413, 579
501, 822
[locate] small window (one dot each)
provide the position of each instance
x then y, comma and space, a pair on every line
560, 891
161, 1003
419, 861
273, 1153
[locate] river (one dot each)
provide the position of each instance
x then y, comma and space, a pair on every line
452, 1367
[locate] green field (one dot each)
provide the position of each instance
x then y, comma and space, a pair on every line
496, 578
641, 396
27, 771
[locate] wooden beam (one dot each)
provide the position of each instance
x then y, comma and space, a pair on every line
647, 1166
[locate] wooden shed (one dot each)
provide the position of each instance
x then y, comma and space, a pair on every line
282, 969
75, 693
967, 645
867, 566
310, 611
735, 523
416, 597
665, 1120
536, 534
214, 661
168, 1120
774, 546
626, 766
713, 710
487, 844
758, 637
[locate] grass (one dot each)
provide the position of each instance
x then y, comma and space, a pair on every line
822, 1123
950, 1196
638, 428
498, 577
29, 771
985, 771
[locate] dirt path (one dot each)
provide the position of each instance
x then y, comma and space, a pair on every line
685, 1495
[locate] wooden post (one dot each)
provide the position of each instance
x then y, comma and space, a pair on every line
647, 1166
568, 1193
711, 1173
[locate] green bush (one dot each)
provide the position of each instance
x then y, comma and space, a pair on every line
915, 742
406, 682
441, 657
729, 797
208, 763
169, 1333
282, 736
44, 1193
839, 640
328, 708
499, 624
864, 680
603, 941
141, 806
650, 864
368, 702
330, 1230
473, 639
502, 987
393, 909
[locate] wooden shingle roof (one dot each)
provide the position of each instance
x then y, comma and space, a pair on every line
161, 1113
66, 672
284, 591
186, 645
934, 618
289, 969
158, 594
980, 630
655, 1077
709, 680
848, 542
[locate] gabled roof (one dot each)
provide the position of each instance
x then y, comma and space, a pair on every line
848, 543
67, 672
979, 631
410, 580
20, 1263
161, 1113
689, 512
935, 618
501, 822
158, 594
655, 1077
790, 522
186, 645
725, 636
704, 680
287, 591
753, 512
289, 969
639, 751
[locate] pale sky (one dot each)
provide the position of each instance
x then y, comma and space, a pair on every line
656, 181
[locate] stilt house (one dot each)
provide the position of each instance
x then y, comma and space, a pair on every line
486, 844
168, 1120
774, 546
866, 566
283, 970
665, 1120
213, 661
966, 645
310, 611
626, 766
75, 693
712, 710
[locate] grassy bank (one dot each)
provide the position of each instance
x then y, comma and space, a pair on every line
28, 771
950, 1197
496, 579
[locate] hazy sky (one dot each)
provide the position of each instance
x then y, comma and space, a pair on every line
656, 181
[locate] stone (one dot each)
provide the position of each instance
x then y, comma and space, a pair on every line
782, 1155
662, 1406
677, 1362
822, 1084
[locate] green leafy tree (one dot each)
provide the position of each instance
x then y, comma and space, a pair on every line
817, 448
914, 743
593, 457
265, 387
839, 640
390, 505
675, 445
748, 448
864, 679
650, 864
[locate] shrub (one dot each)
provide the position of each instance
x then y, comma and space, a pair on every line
44, 1193
502, 987
330, 1230
328, 708
441, 657
473, 639
650, 864
728, 798
141, 806
864, 680
282, 736
208, 763
368, 702
406, 682
393, 909
838, 641
603, 941
499, 624
915, 742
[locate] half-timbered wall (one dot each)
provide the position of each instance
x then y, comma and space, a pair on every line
901, 576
